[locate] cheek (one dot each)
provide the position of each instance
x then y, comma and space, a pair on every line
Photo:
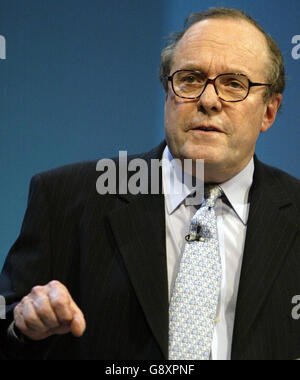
179, 112
246, 123
174, 117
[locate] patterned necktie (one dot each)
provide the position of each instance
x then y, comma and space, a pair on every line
195, 297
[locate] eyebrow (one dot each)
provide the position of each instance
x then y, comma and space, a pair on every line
194, 67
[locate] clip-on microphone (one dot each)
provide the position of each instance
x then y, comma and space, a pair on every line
190, 238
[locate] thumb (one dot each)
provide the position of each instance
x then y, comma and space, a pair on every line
78, 324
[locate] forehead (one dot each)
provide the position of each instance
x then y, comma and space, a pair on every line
219, 45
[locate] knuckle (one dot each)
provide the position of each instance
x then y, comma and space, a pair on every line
36, 290
17, 310
59, 302
30, 320
54, 283
24, 300
40, 308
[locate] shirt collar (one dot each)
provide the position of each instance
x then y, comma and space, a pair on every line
236, 189
172, 169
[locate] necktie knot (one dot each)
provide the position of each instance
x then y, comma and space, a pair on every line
211, 194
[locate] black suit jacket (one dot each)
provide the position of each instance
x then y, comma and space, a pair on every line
110, 253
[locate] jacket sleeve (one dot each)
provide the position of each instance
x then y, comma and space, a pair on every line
28, 264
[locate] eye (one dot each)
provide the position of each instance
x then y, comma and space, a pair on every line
234, 84
189, 79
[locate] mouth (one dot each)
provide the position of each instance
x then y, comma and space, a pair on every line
206, 129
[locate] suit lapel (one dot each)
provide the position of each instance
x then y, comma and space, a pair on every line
140, 234
270, 234
139, 230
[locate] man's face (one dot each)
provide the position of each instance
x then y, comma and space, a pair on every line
218, 46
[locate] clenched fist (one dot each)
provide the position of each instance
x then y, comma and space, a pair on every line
49, 310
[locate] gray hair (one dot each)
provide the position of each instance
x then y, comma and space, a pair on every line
275, 71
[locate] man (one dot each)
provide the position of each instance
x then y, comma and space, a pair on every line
108, 268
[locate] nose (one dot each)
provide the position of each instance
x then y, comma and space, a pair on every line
209, 102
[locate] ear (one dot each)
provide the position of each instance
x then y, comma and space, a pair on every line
271, 109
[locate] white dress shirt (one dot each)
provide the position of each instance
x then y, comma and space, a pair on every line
231, 225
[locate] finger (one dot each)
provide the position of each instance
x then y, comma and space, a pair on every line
60, 303
30, 316
66, 309
43, 307
23, 328
19, 320
78, 325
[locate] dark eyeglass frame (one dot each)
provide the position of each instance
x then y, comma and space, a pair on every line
213, 82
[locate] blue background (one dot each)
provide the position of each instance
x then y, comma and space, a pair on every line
81, 82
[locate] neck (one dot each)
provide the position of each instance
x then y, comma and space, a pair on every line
216, 175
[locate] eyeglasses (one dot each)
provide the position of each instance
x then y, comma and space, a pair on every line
190, 84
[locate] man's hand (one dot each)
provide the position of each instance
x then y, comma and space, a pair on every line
49, 310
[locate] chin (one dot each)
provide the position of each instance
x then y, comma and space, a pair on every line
207, 154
